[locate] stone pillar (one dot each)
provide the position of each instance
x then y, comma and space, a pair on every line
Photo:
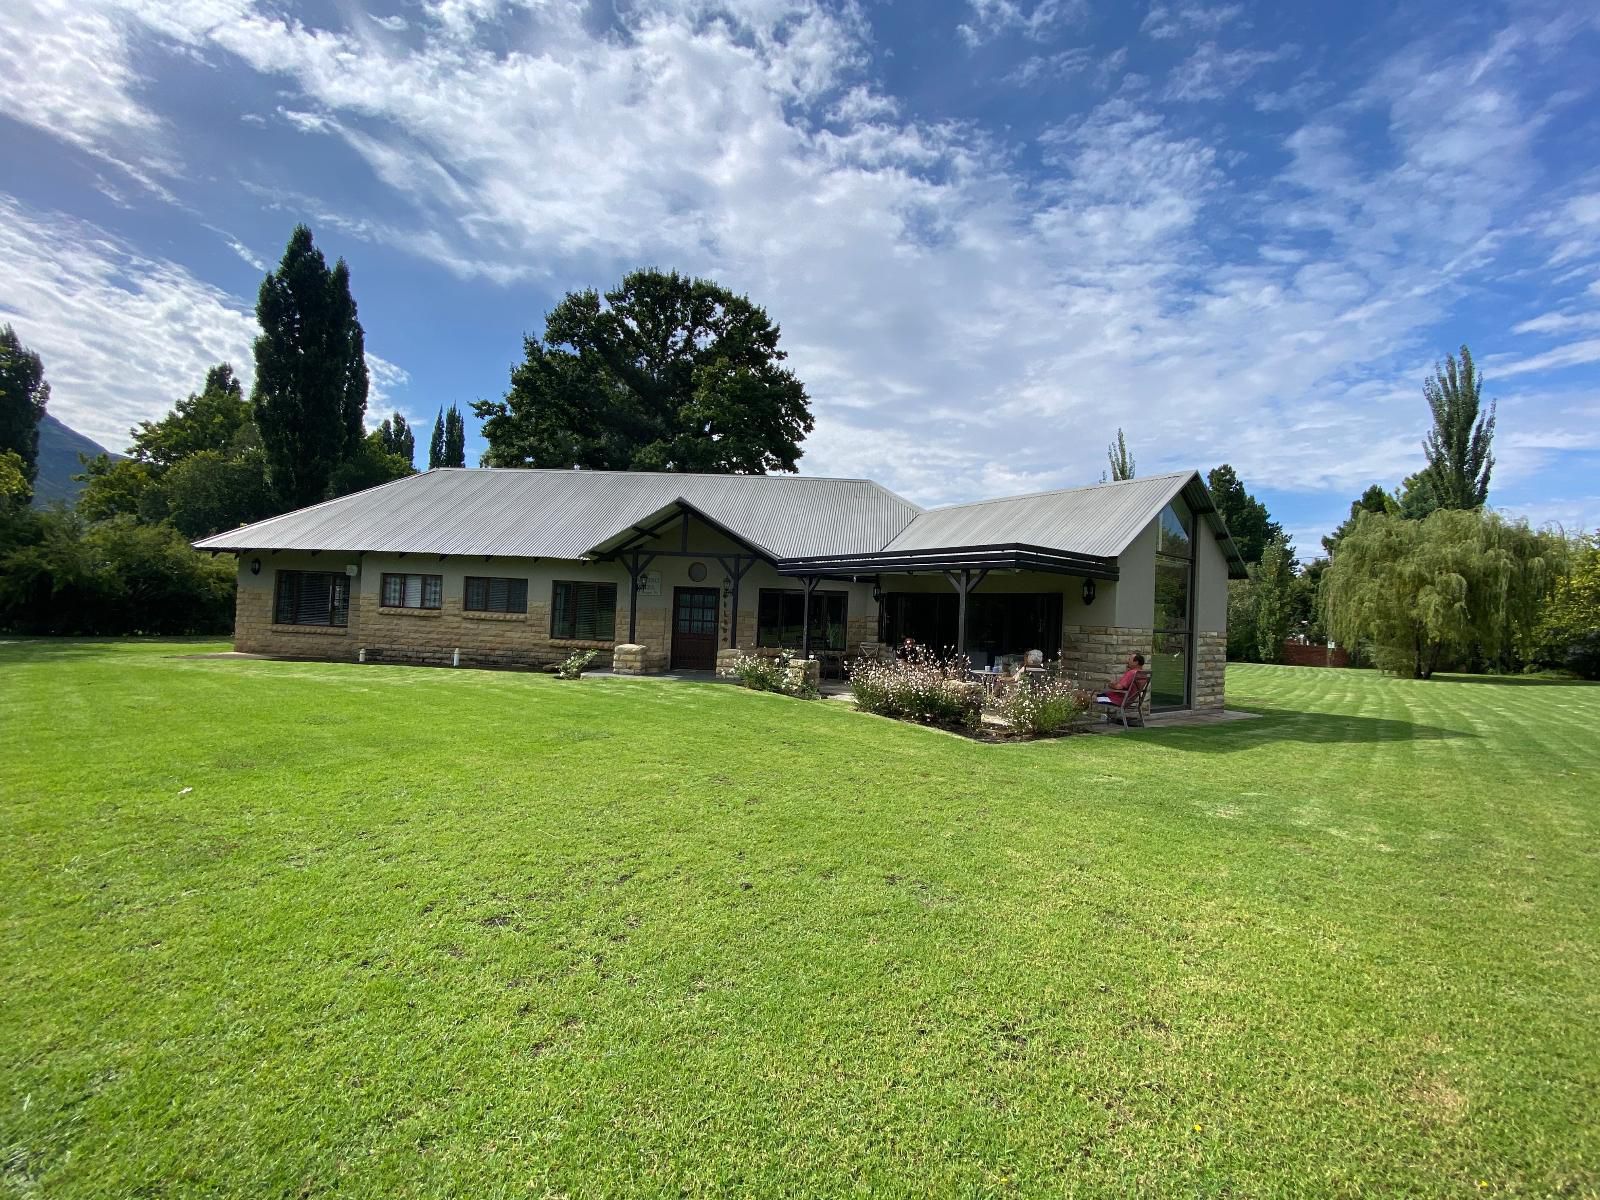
803, 675
1210, 667
726, 657
629, 659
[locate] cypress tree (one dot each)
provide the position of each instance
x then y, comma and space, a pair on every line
455, 439
395, 436
310, 392
436, 443
23, 396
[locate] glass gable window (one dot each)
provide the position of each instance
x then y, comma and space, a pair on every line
583, 611
413, 591
780, 619
311, 598
1170, 639
480, 593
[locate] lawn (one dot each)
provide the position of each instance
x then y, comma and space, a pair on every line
283, 929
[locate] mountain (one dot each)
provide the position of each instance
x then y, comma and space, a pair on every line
59, 448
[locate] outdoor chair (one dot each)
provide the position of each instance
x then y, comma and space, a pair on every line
1131, 710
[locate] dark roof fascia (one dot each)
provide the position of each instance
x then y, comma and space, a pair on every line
1011, 556
680, 505
1197, 496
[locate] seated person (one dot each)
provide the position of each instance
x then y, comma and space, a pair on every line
1117, 689
1032, 660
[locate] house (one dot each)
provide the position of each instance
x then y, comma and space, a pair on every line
522, 567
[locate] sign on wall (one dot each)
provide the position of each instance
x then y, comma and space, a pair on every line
650, 583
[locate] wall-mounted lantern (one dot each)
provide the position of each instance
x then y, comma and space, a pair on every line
255, 566
1088, 591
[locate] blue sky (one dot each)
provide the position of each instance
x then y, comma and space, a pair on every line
992, 230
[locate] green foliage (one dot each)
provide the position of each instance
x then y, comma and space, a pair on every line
1247, 518
666, 373
1275, 589
1043, 704
61, 575
1373, 500
209, 491
216, 419
1458, 445
395, 437
1305, 605
1568, 633
311, 376
24, 395
448, 446
919, 687
772, 673
121, 487
575, 664
1424, 592
369, 466
1243, 645
1120, 459
15, 490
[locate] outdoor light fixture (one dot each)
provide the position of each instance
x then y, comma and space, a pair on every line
1088, 591
877, 594
255, 566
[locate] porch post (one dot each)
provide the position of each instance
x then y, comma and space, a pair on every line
963, 583
810, 584
633, 600
961, 610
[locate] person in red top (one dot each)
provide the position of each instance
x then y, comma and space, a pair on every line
1116, 689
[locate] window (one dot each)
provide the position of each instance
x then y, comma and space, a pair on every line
585, 611
780, 618
413, 591
482, 594
312, 598
1169, 650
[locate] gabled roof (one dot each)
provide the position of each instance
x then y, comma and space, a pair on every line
805, 525
1098, 521
570, 514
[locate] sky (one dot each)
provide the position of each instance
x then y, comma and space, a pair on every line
992, 231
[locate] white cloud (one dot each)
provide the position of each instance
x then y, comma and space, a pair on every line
965, 324
68, 71
1211, 73
123, 336
1571, 355
992, 18
1172, 21
1558, 322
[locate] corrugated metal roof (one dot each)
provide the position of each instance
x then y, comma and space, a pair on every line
573, 514
1098, 521
565, 514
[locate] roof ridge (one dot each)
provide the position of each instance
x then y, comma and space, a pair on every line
1085, 487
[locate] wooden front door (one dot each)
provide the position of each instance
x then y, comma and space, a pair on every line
694, 628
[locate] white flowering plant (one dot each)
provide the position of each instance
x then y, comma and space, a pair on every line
1047, 703
772, 673
921, 686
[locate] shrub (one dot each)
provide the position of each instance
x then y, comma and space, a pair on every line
920, 687
1046, 704
771, 673
575, 664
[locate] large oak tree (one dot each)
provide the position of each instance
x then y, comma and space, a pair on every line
662, 373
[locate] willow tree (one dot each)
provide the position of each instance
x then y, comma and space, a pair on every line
1424, 592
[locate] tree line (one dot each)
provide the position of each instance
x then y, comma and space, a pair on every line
120, 561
